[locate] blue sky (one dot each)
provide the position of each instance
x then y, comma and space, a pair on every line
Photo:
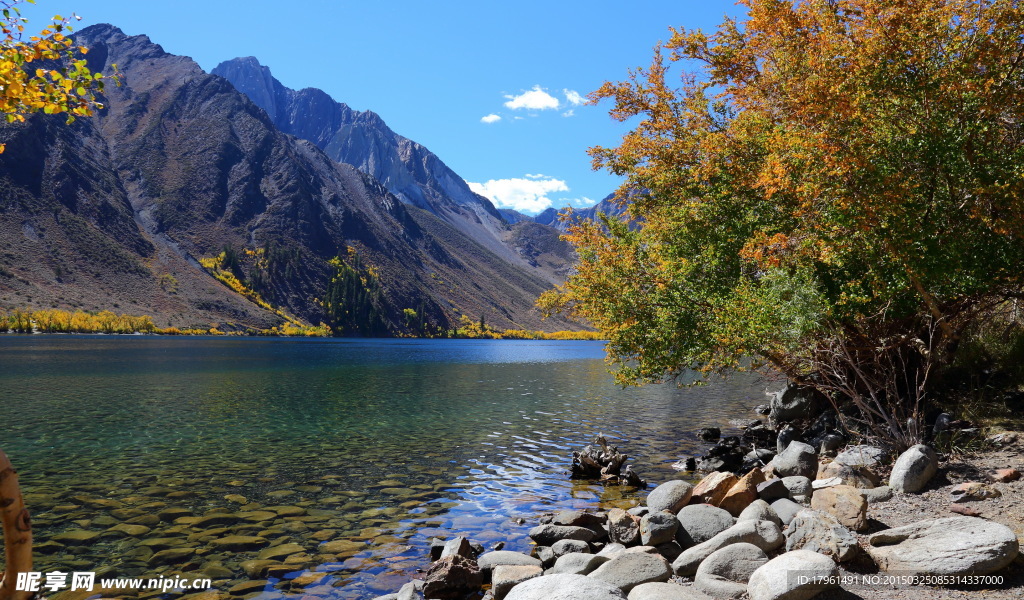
489, 87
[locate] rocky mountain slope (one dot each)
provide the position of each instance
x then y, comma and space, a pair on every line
182, 177
361, 138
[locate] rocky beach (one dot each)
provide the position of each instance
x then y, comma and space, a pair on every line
836, 523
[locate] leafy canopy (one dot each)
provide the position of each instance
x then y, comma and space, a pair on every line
43, 73
847, 170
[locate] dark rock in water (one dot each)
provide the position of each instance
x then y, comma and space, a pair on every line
603, 462
711, 465
757, 433
786, 435
794, 402
691, 464
757, 458
452, 577
763, 409
436, 548
709, 434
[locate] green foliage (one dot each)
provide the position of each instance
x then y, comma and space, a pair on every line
839, 193
354, 300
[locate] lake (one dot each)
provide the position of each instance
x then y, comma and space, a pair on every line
372, 446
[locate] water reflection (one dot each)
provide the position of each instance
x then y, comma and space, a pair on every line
379, 445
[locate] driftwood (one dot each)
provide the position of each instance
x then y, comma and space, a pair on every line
603, 462
17, 532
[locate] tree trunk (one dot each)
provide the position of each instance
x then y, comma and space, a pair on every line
17, 532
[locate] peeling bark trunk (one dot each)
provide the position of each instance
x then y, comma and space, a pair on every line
17, 529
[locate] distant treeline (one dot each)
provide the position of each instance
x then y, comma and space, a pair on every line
62, 321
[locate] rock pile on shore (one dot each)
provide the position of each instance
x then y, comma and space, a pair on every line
778, 532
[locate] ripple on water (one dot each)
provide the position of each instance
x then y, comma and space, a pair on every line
358, 452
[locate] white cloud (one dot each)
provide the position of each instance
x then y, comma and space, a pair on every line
569, 113
535, 99
573, 97
581, 202
536, 176
528, 194
491, 118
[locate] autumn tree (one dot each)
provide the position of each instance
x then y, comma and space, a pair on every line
831, 188
45, 72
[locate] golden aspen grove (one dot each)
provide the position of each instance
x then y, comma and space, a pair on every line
832, 189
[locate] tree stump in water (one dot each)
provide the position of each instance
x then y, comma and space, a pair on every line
17, 529
599, 461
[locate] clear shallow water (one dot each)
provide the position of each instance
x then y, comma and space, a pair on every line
380, 443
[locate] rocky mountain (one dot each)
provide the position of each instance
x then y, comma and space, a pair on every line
551, 216
361, 138
183, 180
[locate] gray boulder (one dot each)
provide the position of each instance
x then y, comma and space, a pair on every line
796, 575
623, 528
658, 528
670, 496
577, 563
800, 488
547, 535
878, 494
764, 534
611, 550
861, 456
489, 560
664, 591
724, 574
913, 469
759, 510
797, 459
630, 569
948, 546
411, 591
699, 523
562, 547
822, 533
565, 587
506, 577
793, 402
772, 490
786, 509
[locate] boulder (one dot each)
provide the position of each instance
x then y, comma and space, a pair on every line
759, 510
709, 434
771, 490
563, 586
861, 456
489, 560
856, 476
793, 402
845, 503
638, 511
546, 535
946, 546
713, 488
757, 458
577, 563
796, 575
973, 491
1004, 475
452, 577
670, 550
579, 518
664, 591
742, 493
724, 573
411, 591
611, 550
913, 469
658, 528
764, 534
460, 546
822, 533
819, 483
797, 459
786, 509
670, 496
506, 577
800, 488
630, 569
699, 523
562, 547
879, 494
546, 555
623, 528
